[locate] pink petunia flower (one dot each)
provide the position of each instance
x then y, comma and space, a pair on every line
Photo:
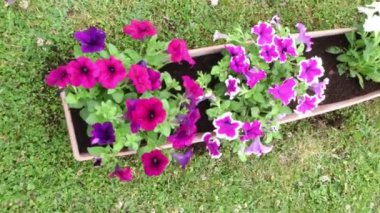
58, 77
83, 72
306, 104
284, 92
123, 174
251, 131
311, 70
235, 50
154, 162
212, 145
111, 72
144, 78
192, 89
257, 148
140, 29
264, 32
284, 47
226, 127
268, 53
232, 85
303, 38
254, 76
178, 51
155, 79
239, 64
319, 89
148, 113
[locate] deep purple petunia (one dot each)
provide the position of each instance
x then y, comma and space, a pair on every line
97, 162
187, 130
284, 47
140, 78
178, 51
254, 76
148, 113
303, 38
311, 70
239, 64
251, 131
257, 148
102, 134
212, 145
123, 174
131, 107
226, 127
154, 162
192, 89
59, 77
284, 92
140, 29
306, 104
111, 72
268, 53
264, 32
232, 87
235, 50
83, 72
319, 89
183, 159
91, 39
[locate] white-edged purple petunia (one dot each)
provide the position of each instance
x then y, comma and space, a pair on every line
254, 76
310, 70
264, 32
235, 50
212, 145
226, 127
306, 104
303, 38
319, 89
275, 21
232, 87
218, 35
268, 53
284, 92
239, 63
183, 159
257, 148
251, 131
285, 47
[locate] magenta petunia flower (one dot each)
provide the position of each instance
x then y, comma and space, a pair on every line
140, 29
58, 77
319, 89
102, 134
91, 40
311, 70
257, 148
232, 87
254, 76
140, 78
123, 174
284, 47
192, 89
183, 159
251, 131
303, 38
306, 104
187, 130
83, 72
131, 107
111, 72
155, 162
148, 113
235, 50
226, 127
212, 145
264, 32
178, 51
239, 64
284, 92
155, 79
268, 53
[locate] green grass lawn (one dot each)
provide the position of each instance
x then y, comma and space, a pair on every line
329, 163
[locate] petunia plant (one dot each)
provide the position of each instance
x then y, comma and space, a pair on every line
262, 77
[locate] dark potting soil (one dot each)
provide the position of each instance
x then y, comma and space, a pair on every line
340, 88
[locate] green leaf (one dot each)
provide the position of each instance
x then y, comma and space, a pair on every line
112, 49
118, 96
78, 51
104, 54
334, 50
135, 56
98, 150
156, 60
343, 58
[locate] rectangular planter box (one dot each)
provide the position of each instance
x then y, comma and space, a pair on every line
341, 92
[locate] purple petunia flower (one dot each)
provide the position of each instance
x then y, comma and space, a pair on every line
319, 89
83, 72
97, 162
102, 134
239, 64
254, 76
226, 127
268, 53
284, 92
275, 21
187, 130
303, 38
251, 131
264, 32
257, 148
232, 85
235, 50
155, 162
140, 29
192, 89
306, 104
148, 113
111, 72
91, 40
218, 35
155, 79
178, 51
284, 47
123, 174
183, 159
58, 77
212, 145
311, 70
131, 107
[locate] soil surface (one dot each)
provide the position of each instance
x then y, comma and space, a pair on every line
340, 88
